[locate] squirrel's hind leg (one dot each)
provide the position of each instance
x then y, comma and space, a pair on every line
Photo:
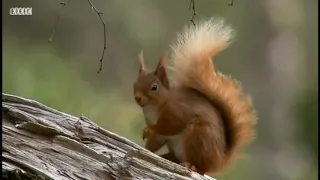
203, 148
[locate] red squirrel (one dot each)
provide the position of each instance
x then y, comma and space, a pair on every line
204, 118
155, 142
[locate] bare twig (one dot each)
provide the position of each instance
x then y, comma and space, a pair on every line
63, 4
193, 6
231, 3
102, 21
104, 33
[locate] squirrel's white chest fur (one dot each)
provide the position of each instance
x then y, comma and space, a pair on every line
150, 115
174, 143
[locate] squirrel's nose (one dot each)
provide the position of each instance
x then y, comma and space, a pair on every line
137, 98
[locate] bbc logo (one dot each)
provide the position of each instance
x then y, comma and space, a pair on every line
21, 11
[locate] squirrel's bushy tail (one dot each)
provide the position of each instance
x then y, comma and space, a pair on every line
193, 68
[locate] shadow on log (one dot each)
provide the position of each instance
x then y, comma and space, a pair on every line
39, 142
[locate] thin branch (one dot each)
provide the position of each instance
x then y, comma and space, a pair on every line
231, 3
104, 34
193, 6
102, 21
63, 4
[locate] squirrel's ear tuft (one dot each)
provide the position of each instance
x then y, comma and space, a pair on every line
161, 73
142, 67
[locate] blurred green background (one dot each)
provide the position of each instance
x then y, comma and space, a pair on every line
274, 55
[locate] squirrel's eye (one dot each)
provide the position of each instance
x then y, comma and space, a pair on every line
154, 87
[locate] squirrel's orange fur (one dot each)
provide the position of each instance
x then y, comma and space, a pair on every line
204, 118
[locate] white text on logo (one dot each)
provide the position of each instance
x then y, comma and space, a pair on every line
21, 11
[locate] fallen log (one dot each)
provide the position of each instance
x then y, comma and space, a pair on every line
39, 142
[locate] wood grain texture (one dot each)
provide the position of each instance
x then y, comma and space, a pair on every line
39, 142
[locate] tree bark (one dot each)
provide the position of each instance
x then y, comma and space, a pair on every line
39, 142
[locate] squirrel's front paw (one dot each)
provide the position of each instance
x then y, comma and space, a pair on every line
147, 132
